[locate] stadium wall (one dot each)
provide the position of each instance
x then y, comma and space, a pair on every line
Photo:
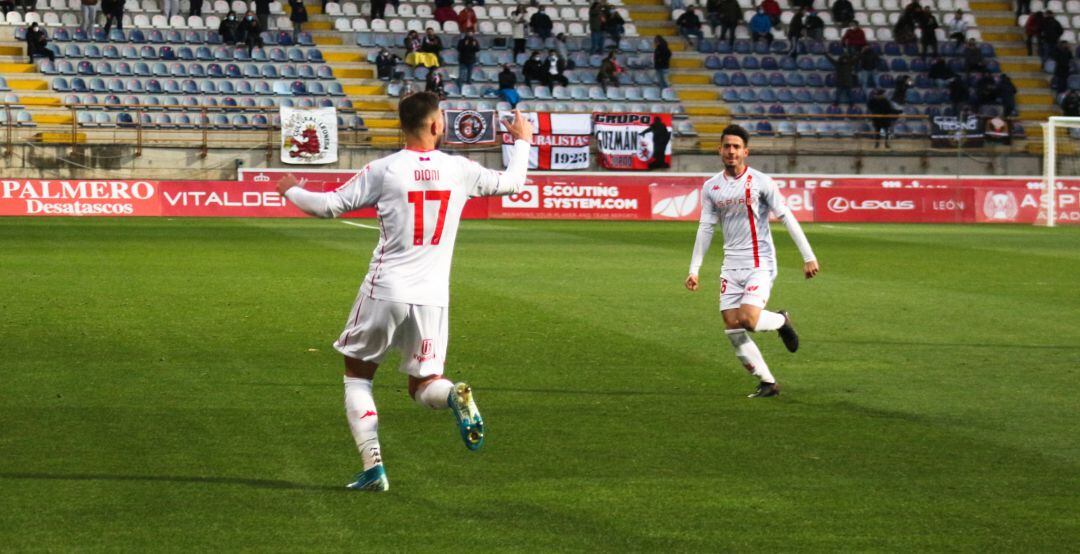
123, 161
559, 195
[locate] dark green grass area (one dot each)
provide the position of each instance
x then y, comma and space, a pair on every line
170, 385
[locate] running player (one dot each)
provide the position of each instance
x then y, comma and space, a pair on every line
419, 193
740, 199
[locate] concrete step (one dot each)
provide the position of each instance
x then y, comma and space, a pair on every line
1004, 36
639, 3
1035, 99
344, 57
28, 84
353, 73
363, 90
51, 119
710, 109
1028, 66
990, 6
690, 79
9, 68
637, 14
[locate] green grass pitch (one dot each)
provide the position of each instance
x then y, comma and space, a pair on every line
169, 385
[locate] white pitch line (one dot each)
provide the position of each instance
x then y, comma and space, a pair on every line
360, 225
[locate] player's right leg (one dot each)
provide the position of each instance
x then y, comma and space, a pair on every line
732, 294
369, 333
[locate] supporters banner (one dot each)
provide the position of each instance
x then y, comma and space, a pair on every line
468, 127
574, 197
947, 130
560, 140
309, 136
633, 141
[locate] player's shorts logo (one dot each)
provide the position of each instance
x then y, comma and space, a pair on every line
427, 351
470, 127
529, 197
1000, 206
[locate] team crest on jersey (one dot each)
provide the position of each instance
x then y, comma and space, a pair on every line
427, 351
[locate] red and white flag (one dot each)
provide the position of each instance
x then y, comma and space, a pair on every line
560, 140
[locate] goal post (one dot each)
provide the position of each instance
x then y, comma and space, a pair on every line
1061, 158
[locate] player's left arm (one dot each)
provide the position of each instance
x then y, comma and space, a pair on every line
360, 191
482, 181
772, 197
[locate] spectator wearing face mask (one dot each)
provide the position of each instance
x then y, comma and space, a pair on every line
251, 32
467, 48
36, 41
228, 29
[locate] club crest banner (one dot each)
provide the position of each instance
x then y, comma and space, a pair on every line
464, 127
560, 140
633, 141
309, 136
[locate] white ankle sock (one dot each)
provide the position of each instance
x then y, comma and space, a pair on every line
747, 352
769, 321
363, 420
434, 394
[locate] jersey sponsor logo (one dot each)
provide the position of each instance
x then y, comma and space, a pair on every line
529, 197
1001, 206
839, 204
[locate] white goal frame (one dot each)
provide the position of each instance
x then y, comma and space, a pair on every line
1050, 162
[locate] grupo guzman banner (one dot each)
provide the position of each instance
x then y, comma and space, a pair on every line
309, 135
633, 141
560, 140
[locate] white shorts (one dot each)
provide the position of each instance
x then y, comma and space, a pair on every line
418, 332
745, 286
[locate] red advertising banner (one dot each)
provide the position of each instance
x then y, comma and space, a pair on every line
78, 198
864, 204
576, 197
633, 141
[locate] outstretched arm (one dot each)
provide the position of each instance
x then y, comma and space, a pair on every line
779, 207
487, 182
358, 192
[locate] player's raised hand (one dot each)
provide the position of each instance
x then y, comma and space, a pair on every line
519, 128
691, 283
811, 268
285, 183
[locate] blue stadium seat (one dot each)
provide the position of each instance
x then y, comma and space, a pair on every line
714, 62
226, 87
60, 84
758, 79
731, 63
296, 55
739, 79
148, 52
92, 51
136, 36
141, 69
97, 84
730, 95
751, 62
159, 69
78, 84
208, 87
189, 86
767, 95
167, 53
47, 67
278, 55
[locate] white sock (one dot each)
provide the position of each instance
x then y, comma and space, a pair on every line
363, 420
769, 321
435, 394
747, 352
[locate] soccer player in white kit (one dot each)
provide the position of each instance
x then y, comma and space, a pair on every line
740, 199
419, 193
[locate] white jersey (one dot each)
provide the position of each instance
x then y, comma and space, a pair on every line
742, 206
419, 196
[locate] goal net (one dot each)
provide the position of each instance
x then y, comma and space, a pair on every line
1061, 160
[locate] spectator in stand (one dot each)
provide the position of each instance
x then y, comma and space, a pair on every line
772, 9
814, 26
596, 27
467, 48
541, 24
760, 27
843, 12
845, 77
868, 64
940, 72
431, 43
228, 29
854, 38
973, 58
731, 16
262, 13
928, 26
378, 10
608, 76
385, 63
298, 16
435, 83
904, 30
194, 8
466, 19
251, 32
37, 42
958, 94
442, 14
1070, 103
1050, 31
89, 15
519, 21
1063, 58
507, 82
1033, 33
412, 43
555, 69
28, 6
564, 50
958, 28
900, 89
1006, 91
661, 60
114, 13
806, 5
7, 6
1022, 7
169, 8
712, 14
614, 24
986, 91
883, 116
689, 25
795, 31
533, 69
